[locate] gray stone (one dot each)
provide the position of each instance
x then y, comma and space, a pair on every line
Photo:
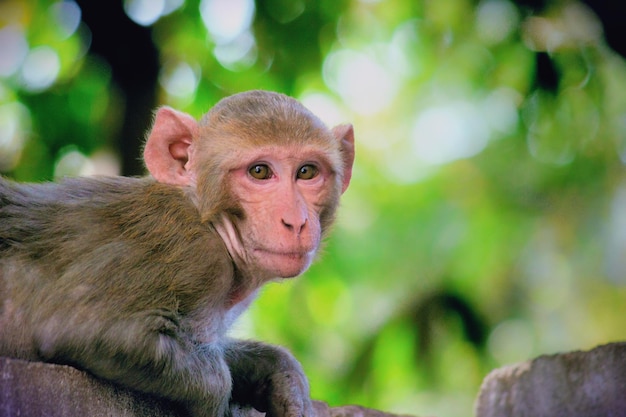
574, 384
34, 389
40, 389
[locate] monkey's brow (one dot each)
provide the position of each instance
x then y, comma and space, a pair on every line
297, 153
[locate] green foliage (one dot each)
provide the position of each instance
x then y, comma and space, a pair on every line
485, 221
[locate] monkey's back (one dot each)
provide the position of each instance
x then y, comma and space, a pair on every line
64, 221
112, 246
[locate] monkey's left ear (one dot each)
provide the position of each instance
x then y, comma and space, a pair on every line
345, 134
167, 150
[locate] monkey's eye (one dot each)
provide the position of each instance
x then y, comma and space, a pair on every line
307, 172
260, 172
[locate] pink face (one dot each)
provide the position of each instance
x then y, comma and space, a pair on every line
281, 191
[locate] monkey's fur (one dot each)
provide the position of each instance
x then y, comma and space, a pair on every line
137, 280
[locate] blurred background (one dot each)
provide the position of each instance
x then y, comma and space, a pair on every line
486, 219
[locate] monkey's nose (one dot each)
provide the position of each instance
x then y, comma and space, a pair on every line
295, 226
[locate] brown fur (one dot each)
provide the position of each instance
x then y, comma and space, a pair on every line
136, 280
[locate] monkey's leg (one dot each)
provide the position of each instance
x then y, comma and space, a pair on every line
145, 352
268, 378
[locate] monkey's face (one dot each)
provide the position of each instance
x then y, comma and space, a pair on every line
283, 192
263, 170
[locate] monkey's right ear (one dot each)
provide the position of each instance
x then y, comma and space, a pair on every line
345, 134
168, 149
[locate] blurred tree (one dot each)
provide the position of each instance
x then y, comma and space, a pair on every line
134, 61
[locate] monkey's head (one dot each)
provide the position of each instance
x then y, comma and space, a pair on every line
261, 168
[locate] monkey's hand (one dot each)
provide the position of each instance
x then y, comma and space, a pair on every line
269, 379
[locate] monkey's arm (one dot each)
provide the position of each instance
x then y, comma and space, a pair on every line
145, 353
268, 378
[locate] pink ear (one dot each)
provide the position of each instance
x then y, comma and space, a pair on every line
345, 133
167, 150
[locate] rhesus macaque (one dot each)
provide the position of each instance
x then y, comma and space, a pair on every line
137, 280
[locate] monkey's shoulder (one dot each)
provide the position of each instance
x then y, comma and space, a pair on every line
69, 190
90, 192
136, 208
107, 224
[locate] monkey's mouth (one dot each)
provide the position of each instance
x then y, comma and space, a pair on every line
287, 254
284, 264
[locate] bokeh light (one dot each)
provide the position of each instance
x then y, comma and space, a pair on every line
147, 12
227, 19
40, 68
15, 126
67, 15
180, 80
364, 84
14, 49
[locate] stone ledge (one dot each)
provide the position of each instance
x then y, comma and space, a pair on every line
42, 389
575, 384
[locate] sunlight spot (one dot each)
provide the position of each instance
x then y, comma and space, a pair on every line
14, 49
144, 12
615, 262
446, 133
227, 19
582, 23
496, 20
181, 80
238, 54
363, 83
570, 26
500, 110
404, 50
402, 167
105, 162
540, 34
511, 341
67, 15
324, 107
172, 6
41, 68
15, 124
71, 162
147, 12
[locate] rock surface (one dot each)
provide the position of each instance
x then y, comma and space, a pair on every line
574, 384
42, 389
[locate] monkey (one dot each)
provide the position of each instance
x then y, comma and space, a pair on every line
137, 279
